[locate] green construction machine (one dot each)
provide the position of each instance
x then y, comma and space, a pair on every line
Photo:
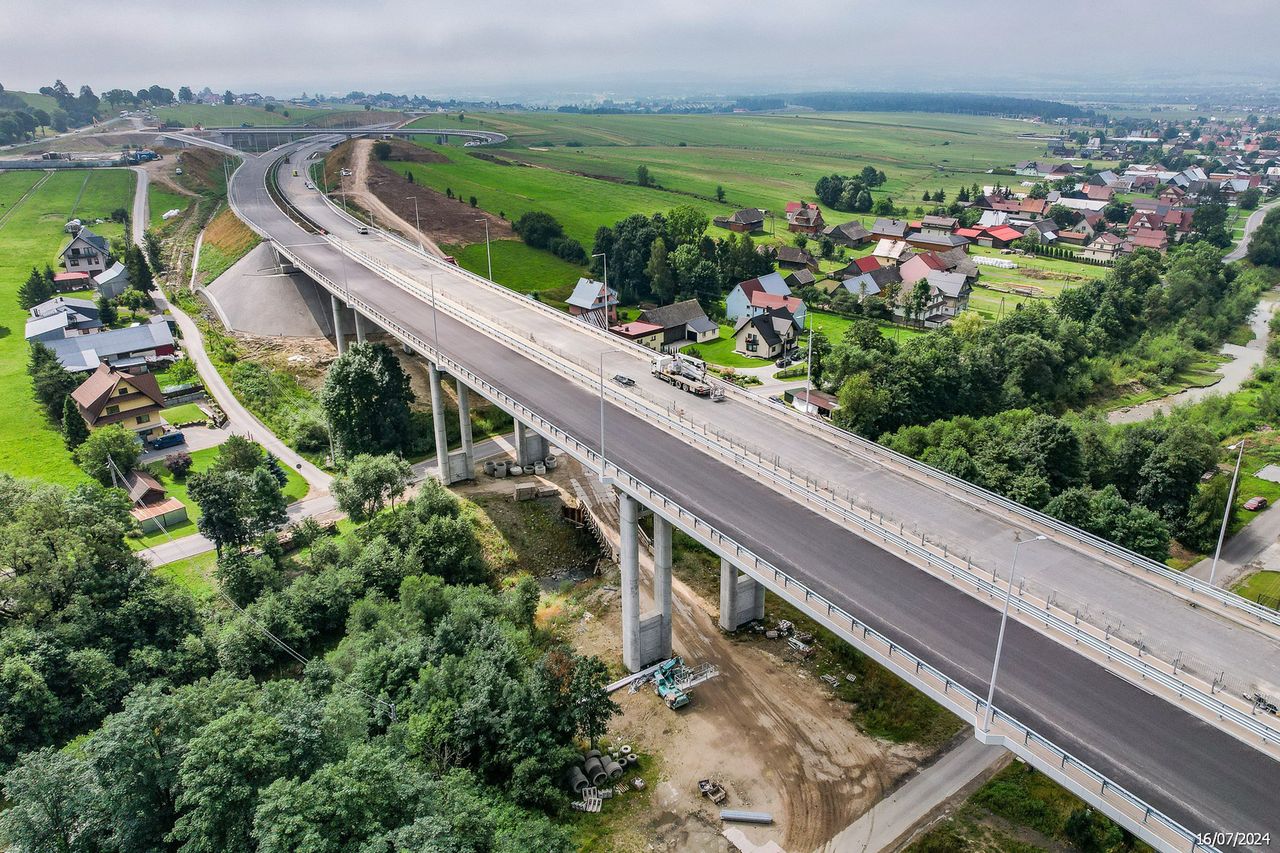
674, 680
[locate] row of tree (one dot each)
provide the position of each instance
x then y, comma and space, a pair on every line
668, 256
850, 192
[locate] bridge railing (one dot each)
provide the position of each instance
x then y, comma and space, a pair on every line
1095, 787
860, 518
1179, 580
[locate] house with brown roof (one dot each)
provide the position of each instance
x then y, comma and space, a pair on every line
851, 234
111, 397
937, 242
766, 335
646, 334
794, 258
1103, 247
806, 219
682, 321
743, 221
1146, 238
890, 229
151, 508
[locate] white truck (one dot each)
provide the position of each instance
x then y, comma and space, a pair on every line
686, 373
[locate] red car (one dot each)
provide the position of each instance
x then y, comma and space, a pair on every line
1255, 504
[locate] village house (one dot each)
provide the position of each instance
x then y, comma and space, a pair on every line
681, 321
814, 402
873, 282
1103, 247
137, 347
857, 267
738, 303
589, 300
804, 219
745, 221
851, 234
891, 251
113, 397
890, 229
934, 241
151, 509
800, 278
791, 257
112, 281
62, 317
646, 334
1146, 238
87, 253
766, 335
938, 224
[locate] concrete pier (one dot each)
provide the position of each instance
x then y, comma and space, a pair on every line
438, 422
629, 563
339, 334
741, 598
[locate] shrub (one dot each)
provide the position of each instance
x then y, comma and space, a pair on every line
178, 464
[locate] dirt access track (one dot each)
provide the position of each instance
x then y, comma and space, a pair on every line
378, 188
770, 732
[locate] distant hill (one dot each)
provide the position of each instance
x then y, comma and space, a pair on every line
915, 102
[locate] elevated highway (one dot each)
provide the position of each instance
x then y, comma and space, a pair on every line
809, 514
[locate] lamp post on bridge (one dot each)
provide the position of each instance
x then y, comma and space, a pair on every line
1226, 512
417, 223
1004, 618
487, 254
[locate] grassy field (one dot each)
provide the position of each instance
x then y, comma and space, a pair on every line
226, 240
294, 489
194, 574
1264, 584
220, 115
160, 200
522, 268
31, 235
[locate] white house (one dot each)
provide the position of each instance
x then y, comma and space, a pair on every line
87, 252
738, 303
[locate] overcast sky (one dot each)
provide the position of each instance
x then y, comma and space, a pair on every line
531, 48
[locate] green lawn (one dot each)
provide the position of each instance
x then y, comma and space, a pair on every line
720, 351
522, 269
295, 489
220, 115
1265, 584
186, 413
834, 326
32, 236
194, 574
160, 200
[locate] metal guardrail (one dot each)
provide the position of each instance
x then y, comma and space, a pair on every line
1131, 809
867, 525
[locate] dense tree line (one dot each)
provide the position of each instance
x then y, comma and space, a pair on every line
850, 192
940, 396
543, 231
433, 714
19, 120
958, 102
1264, 244
668, 256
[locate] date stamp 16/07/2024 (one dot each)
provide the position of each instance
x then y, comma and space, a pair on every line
1235, 839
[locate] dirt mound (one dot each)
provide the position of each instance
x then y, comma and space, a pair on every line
407, 152
201, 170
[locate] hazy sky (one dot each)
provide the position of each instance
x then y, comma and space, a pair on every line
523, 49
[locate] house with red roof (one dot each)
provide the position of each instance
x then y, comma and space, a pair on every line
1146, 238
999, 237
805, 218
857, 267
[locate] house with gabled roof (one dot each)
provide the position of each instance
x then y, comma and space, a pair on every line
681, 321
589, 300
807, 219
891, 251
852, 234
873, 282
87, 252
113, 397
890, 229
112, 281
738, 303
743, 221
792, 257
766, 335
62, 317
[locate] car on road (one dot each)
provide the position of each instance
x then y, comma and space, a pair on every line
307, 184
362, 229
168, 439
624, 381
1256, 503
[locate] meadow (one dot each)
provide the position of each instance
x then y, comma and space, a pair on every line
31, 236
221, 115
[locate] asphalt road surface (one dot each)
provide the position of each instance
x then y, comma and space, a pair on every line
1194, 772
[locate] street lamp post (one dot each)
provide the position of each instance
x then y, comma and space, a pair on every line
605, 258
435, 322
1226, 512
487, 254
417, 223
602, 355
808, 369
1004, 618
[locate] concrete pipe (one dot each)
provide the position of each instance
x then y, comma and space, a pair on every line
489, 467
595, 771
550, 462
593, 753
539, 468
632, 759
516, 471
577, 780
626, 749
613, 769
500, 470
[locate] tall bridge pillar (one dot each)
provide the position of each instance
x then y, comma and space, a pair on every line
629, 564
741, 598
530, 447
658, 637
339, 334
362, 328
467, 454
456, 466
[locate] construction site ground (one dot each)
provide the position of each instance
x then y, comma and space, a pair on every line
767, 729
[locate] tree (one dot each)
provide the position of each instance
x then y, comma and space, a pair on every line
685, 224
50, 383
106, 311
370, 483
366, 397
918, 300
178, 464
155, 255
592, 707
1264, 243
74, 429
1204, 516
382, 149
185, 95
537, 229
36, 289
862, 404
719, 193
228, 98
642, 176
139, 273
108, 454
238, 453
662, 283
55, 804
1249, 199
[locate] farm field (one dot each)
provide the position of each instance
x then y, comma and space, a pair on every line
220, 115
294, 489
759, 160
31, 235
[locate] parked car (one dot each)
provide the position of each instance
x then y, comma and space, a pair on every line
169, 439
624, 381
1256, 503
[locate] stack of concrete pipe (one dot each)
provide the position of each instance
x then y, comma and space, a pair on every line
598, 768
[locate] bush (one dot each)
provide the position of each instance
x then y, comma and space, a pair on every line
310, 433
538, 229
178, 464
382, 150
569, 249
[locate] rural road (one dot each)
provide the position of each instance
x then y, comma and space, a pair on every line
1254, 220
141, 206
